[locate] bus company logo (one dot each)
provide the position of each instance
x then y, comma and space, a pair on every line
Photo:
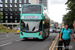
31, 16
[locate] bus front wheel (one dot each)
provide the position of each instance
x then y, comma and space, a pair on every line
25, 38
44, 36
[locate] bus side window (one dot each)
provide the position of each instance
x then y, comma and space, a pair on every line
46, 25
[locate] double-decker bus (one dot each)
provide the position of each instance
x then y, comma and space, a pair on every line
33, 24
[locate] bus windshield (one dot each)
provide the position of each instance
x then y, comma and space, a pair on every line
31, 9
30, 26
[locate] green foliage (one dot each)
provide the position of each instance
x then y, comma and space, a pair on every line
70, 16
0, 17
4, 29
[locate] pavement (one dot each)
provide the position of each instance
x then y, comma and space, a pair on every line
71, 46
13, 42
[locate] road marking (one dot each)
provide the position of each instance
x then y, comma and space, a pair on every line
7, 35
54, 42
18, 40
5, 44
56, 48
51, 45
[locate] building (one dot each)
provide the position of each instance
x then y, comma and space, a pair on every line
43, 2
34, 2
10, 10
62, 25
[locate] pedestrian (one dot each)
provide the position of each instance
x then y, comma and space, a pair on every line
65, 38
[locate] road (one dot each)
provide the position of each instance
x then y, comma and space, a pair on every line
11, 41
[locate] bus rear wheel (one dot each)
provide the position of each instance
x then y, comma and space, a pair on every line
48, 33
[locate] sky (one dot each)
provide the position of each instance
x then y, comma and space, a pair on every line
57, 9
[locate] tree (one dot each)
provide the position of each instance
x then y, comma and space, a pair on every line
0, 17
70, 16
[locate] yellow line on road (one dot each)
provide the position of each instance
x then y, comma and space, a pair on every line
51, 45
57, 48
54, 42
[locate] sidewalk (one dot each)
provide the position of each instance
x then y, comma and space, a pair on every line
72, 43
71, 46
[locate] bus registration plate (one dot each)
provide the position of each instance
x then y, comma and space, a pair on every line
30, 37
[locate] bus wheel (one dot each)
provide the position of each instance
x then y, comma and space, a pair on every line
43, 36
25, 38
48, 33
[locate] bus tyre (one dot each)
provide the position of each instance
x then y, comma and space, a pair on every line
43, 36
25, 38
48, 33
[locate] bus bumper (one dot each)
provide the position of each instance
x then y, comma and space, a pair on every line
30, 35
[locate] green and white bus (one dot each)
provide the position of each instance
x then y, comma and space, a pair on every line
33, 24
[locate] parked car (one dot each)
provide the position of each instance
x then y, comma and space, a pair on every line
57, 30
51, 30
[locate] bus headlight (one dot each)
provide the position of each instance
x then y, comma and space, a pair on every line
40, 32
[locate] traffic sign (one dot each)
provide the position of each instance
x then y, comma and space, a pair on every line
18, 31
